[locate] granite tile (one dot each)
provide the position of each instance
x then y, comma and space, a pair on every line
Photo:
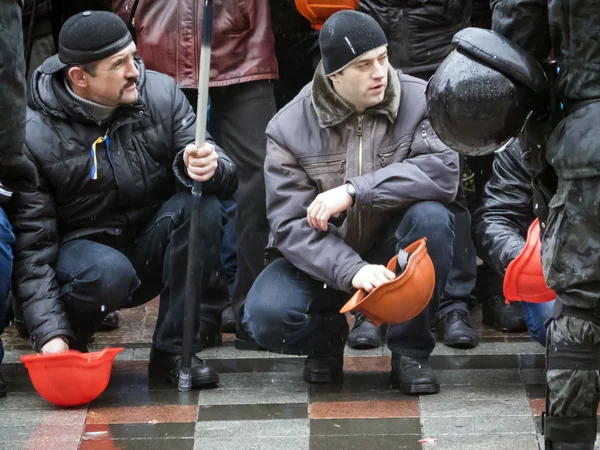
139, 431
533, 376
25, 401
367, 364
489, 348
33, 418
266, 364
252, 428
387, 442
463, 425
139, 444
504, 441
253, 443
253, 412
537, 406
453, 362
282, 393
148, 398
364, 410
40, 433
532, 361
358, 386
364, 427
142, 414
37, 445
535, 390
478, 377
254, 380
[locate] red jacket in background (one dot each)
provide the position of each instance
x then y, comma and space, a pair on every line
168, 37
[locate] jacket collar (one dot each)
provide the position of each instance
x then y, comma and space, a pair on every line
332, 110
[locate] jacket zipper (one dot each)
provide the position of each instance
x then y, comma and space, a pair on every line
341, 162
110, 158
360, 161
424, 136
382, 156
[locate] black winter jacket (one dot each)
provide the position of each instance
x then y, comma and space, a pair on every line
419, 33
136, 174
500, 224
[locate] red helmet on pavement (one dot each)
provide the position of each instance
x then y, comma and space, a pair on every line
72, 378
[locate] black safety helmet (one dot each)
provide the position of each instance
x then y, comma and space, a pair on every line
482, 95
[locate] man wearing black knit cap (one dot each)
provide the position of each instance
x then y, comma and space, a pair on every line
354, 173
108, 223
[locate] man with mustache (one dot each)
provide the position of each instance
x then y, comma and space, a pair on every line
107, 225
354, 172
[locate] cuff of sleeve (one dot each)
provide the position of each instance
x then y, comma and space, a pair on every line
180, 170
363, 199
39, 342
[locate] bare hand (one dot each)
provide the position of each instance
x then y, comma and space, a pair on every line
55, 345
372, 276
328, 204
201, 162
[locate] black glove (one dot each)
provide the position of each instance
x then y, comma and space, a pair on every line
19, 176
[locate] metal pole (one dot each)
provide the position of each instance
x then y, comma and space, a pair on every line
194, 265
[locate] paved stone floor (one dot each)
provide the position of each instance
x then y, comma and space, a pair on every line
491, 398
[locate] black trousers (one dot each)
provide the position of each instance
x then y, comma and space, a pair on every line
96, 279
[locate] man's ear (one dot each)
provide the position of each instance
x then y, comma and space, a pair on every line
335, 78
78, 76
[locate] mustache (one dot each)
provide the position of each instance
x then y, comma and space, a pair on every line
131, 82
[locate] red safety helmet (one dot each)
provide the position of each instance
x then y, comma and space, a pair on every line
524, 278
71, 378
402, 298
318, 11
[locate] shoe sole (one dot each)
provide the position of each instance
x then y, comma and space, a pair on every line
164, 375
420, 389
363, 344
461, 343
323, 378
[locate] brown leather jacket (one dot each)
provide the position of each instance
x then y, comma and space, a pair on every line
168, 34
390, 154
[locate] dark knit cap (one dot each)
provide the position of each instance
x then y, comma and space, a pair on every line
88, 37
346, 36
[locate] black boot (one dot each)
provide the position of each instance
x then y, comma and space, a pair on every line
228, 321
165, 367
209, 335
327, 367
364, 334
502, 317
110, 322
3, 389
457, 330
413, 376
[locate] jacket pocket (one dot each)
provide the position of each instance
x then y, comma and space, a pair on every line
393, 153
327, 171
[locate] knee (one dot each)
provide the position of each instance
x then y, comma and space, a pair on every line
269, 315
430, 217
110, 281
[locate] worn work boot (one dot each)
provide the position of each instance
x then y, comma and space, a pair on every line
502, 317
413, 376
110, 322
228, 321
165, 367
364, 334
327, 367
457, 330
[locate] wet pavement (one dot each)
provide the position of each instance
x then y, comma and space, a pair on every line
491, 398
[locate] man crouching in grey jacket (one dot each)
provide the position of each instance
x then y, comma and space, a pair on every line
353, 173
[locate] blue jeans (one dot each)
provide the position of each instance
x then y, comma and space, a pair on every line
536, 315
287, 311
6, 259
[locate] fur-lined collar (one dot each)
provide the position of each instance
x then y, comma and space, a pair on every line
332, 109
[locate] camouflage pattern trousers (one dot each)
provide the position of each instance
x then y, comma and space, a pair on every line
571, 261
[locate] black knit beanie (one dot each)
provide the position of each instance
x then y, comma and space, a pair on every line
346, 36
88, 37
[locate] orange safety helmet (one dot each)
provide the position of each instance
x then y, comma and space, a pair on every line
71, 378
524, 278
318, 11
402, 298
